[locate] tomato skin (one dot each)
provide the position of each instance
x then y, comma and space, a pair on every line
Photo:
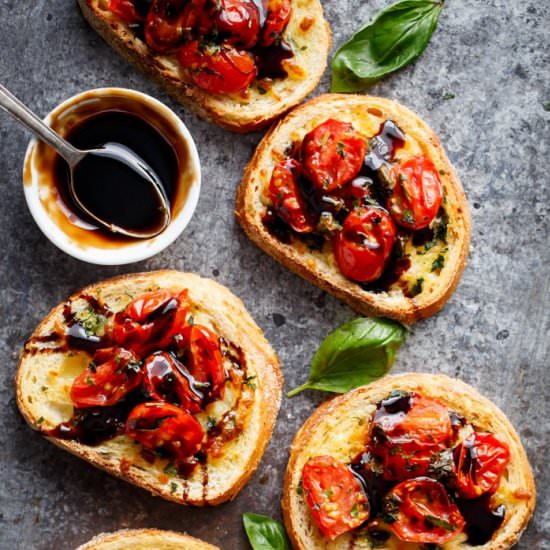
205, 361
408, 433
333, 154
277, 18
416, 195
218, 70
158, 425
356, 193
481, 460
286, 198
364, 245
115, 373
423, 512
240, 20
163, 380
335, 496
126, 10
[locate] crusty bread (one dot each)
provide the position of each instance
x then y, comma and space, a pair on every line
44, 379
337, 428
307, 31
366, 113
145, 539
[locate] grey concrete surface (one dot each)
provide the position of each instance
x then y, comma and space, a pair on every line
493, 56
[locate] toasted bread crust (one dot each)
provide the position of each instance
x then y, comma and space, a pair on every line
310, 440
145, 539
229, 318
319, 270
229, 111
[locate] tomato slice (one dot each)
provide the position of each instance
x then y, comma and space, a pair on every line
277, 18
204, 357
286, 198
335, 496
364, 245
409, 431
126, 10
165, 427
333, 154
166, 379
419, 510
218, 69
416, 195
112, 373
481, 460
239, 22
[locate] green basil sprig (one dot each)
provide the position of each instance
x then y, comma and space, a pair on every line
355, 354
265, 533
396, 36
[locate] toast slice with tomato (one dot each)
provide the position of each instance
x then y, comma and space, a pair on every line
355, 194
162, 379
145, 539
214, 65
410, 460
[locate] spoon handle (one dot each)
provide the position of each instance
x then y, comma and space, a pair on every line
25, 116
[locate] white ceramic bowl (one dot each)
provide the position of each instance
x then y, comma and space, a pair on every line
113, 254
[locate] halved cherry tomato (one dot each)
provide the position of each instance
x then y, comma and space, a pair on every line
422, 512
165, 25
333, 154
365, 243
277, 18
286, 198
205, 361
481, 460
416, 194
166, 379
126, 10
409, 430
165, 427
218, 69
356, 193
112, 373
151, 321
239, 22
335, 496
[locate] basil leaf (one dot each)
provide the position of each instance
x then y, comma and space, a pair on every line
265, 533
396, 36
354, 354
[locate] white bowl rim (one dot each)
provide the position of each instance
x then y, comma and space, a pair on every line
127, 253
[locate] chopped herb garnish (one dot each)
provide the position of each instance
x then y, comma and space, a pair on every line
417, 287
442, 172
93, 323
354, 511
262, 91
329, 493
300, 488
211, 423
448, 95
43, 388
408, 217
546, 106
173, 487
438, 263
170, 469
248, 381
340, 149
40, 420
89, 381
433, 522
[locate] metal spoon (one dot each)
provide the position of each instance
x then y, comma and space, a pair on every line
73, 156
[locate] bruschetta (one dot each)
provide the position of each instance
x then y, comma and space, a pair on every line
161, 378
412, 461
356, 194
237, 63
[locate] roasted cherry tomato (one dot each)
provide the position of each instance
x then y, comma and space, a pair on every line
335, 496
167, 22
165, 427
286, 198
151, 321
204, 357
416, 194
409, 431
365, 243
481, 460
126, 10
333, 154
218, 69
166, 379
422, 512
356, 193
112, 373
278, 15
239, 22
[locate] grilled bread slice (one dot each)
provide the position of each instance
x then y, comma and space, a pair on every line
432, 286
338, 428
48, 367
145, 539
307, 32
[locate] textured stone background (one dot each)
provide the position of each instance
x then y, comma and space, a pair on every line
493, 55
